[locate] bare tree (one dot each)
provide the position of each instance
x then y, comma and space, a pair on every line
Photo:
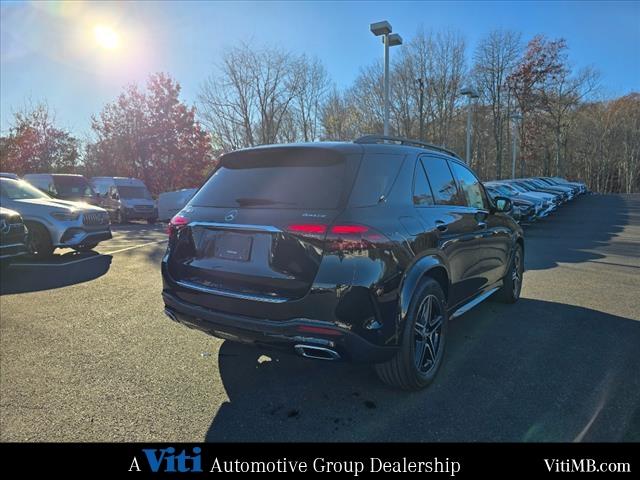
494, 60
366, 97
248, 100
446, 79
337, 117
563, 93
227, 101
309, 96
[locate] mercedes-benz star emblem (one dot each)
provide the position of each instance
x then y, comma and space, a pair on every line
230, 216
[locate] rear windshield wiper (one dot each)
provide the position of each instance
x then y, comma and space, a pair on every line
248, 202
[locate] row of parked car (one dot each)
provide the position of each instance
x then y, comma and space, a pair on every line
68, 211
42, 212
536, 197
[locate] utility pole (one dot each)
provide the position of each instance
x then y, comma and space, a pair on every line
421, 107
515, 118
471, 95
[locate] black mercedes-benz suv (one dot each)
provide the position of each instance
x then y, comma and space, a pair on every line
358, 250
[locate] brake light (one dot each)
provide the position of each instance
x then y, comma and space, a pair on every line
176, 223
307, 228
349, 229
340, 238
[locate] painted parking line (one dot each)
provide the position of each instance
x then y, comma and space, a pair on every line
92, 257
135, 246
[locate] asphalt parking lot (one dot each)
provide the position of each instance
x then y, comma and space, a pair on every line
86, 354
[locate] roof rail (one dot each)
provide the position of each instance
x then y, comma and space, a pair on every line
403, 141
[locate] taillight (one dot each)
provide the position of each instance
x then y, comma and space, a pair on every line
340, 237
349, 229
176, 223
307, 228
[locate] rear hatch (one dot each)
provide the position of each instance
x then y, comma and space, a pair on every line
255, 229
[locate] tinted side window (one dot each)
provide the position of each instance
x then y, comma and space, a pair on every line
443, 185
470, 185
375, 178
421, 189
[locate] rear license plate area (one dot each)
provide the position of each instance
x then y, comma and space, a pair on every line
232, 246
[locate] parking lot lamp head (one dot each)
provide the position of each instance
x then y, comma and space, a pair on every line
380, 28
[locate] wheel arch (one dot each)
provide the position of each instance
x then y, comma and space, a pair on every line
430, 266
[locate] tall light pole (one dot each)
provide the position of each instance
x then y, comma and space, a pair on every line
515, 118
389, 40
471, 94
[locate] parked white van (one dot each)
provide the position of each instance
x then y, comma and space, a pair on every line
125, 199
170, 203
64, 186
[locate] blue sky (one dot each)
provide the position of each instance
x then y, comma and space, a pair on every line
48, 50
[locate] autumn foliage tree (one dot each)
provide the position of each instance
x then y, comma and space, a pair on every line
150, 134
34, 144
541, 63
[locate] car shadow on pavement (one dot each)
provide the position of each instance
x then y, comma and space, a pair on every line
533, 371
568, 236
57, 272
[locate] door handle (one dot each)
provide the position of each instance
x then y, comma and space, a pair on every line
440, 225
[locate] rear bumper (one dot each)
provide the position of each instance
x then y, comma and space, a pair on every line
74, 237
283, 334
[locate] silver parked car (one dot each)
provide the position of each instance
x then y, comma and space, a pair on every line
54, 223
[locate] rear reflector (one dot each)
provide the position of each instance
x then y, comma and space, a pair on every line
319, 330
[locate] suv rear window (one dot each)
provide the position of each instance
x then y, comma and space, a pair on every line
377, 174
277, 178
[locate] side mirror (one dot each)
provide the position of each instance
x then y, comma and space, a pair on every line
503, 204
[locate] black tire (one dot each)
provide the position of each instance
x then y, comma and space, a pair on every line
85, 248
512, 281
405, 370
39, 242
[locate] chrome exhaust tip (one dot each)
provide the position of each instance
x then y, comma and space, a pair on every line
170, 314
317, 353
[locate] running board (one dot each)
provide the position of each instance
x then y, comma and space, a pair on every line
468, 306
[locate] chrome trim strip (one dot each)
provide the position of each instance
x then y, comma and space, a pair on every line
10, 245
226, 293
468, 306
237, 226
10, 255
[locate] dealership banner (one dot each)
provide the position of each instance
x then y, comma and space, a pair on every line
355, 460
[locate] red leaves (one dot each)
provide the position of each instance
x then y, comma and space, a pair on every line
34, 144
153, 136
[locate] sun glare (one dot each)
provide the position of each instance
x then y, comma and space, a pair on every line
106, 37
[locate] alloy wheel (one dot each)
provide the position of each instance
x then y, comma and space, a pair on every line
427, 333
516, 274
